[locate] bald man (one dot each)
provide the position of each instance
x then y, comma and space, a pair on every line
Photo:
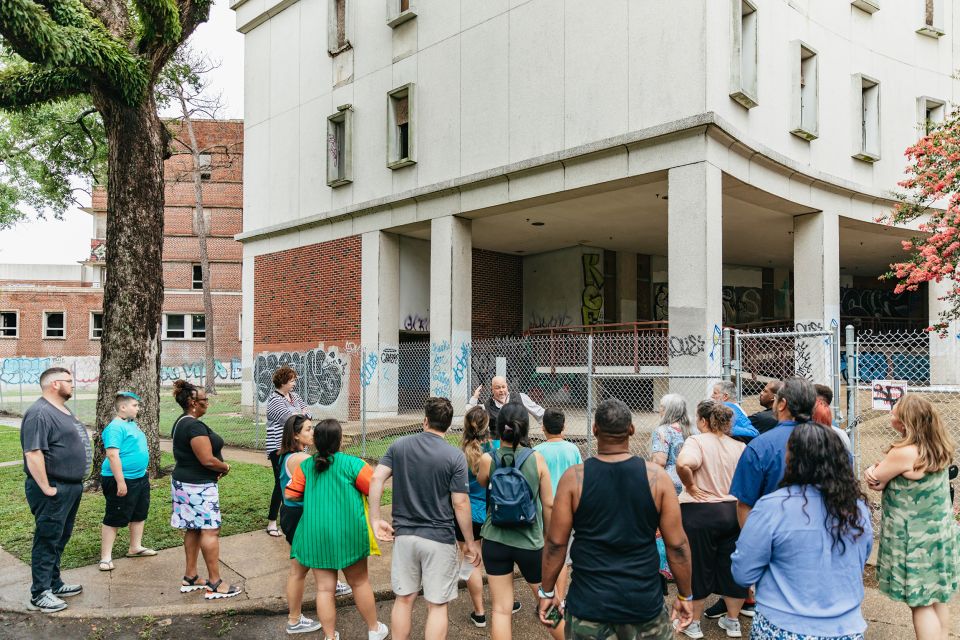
500, 396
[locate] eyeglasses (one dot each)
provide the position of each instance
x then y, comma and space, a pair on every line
70, 382
204, 400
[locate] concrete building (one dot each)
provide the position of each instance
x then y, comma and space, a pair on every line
53, 313
463, 170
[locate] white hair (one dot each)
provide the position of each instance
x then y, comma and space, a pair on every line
675, 412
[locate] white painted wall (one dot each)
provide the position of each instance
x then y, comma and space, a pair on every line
553, 287
414, 284
28, 272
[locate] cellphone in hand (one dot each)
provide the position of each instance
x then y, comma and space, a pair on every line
554, 616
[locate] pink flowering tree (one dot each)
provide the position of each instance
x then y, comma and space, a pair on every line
932, 176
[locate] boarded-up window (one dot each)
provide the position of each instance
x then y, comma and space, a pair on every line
401, 119
403, 126
405, 4
338, 147
928, 13
341, 9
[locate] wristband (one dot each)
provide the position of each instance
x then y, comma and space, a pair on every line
546, 595
684, 598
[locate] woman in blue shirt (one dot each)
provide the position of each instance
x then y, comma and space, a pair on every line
804, 546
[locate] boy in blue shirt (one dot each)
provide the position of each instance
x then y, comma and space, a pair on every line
560, 455
125, 484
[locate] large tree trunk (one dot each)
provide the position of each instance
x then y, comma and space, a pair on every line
133, 293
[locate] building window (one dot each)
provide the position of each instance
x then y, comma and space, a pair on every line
197, 277
400, 11
9, 324
930, 113
870, 6
931, 18
96, 325
805, 99
401, 127
866, 122
206, 166
340, 147
178, 326
338, 26
54, 325
744, 56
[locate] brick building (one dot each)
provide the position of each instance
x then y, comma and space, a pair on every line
55, 311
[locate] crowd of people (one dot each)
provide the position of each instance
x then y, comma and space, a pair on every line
762, 510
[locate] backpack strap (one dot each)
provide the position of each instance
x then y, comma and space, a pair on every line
522, 457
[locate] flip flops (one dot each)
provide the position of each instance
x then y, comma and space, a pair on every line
274, 532
105, 565
143, 553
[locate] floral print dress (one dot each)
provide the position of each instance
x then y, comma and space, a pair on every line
667, 439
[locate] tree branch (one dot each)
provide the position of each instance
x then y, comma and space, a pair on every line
161, 20
21, 87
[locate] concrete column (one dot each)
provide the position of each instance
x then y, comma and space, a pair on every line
816, 289
379, 321
246, 332
451, 280
944, 352
695, 268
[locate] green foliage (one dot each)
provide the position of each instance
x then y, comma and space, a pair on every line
43, 149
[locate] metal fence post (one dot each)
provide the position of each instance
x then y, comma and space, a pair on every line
363, 404
835, 359
852, 384
726, 354
589, 394
737, 365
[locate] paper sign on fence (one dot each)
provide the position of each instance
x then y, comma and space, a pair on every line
886, 393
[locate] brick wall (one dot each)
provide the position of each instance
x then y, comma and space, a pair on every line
32, 303
497, 294
307, 295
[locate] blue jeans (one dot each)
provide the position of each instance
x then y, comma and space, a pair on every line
54, 518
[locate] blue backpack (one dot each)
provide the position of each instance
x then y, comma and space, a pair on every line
510, 498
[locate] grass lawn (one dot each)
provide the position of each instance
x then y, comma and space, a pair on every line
376, 448
10, 444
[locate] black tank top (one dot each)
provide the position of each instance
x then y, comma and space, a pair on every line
616, 566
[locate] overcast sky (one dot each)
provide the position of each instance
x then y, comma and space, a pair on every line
67, 241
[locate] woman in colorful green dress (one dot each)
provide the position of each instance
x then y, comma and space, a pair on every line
918, 562
332, 534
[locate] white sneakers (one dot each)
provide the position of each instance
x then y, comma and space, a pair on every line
731, 626
381, 632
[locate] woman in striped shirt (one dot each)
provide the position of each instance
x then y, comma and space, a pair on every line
281, 405
332, 534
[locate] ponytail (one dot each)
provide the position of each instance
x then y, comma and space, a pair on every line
327, 436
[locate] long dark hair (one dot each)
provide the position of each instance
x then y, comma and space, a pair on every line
291, 429
816, 456
513, 424
327, 435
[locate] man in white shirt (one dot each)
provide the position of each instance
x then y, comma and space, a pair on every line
500, 396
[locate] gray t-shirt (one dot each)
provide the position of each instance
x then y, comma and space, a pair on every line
426, 470
62, 438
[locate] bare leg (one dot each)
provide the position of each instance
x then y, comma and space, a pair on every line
475, 589
327, 601
136, 536
557, 633
401, 616
107, 537
295, 584
210, 548
356, 576
191, 548
698, 606
436, 626
501, 606
733, 606
943, 612
926, 623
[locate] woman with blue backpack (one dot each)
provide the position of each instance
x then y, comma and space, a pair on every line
518, 510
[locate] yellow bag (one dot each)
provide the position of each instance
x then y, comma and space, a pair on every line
374, 547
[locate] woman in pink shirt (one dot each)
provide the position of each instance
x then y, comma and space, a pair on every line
705, 466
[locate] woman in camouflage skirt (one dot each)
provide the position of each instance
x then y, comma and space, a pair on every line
918, 561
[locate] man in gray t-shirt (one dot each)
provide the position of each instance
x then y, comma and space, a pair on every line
430, 489
56, 459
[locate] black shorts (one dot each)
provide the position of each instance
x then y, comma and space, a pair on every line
499, 559
289, 519
712, 531
459, 533
133, 507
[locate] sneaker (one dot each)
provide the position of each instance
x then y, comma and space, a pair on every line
304, 625
731, 626
717, 610
693, 631
343, 589
478, 621
67, 590
516, 607
749, 609
46, 602
381, 632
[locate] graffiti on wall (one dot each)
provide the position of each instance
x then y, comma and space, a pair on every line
461, 364
592, 297
23, 370
320, 374
368, 369
416, 322
553, 320
228, 371
86, 369
874, 303
440, 385
741, 305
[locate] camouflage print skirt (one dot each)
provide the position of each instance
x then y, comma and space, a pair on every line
660, 628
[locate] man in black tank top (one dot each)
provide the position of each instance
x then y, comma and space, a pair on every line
616, 501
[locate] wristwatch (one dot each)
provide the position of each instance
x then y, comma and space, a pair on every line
546, 595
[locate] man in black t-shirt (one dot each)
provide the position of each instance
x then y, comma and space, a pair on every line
56, 459
764, 420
